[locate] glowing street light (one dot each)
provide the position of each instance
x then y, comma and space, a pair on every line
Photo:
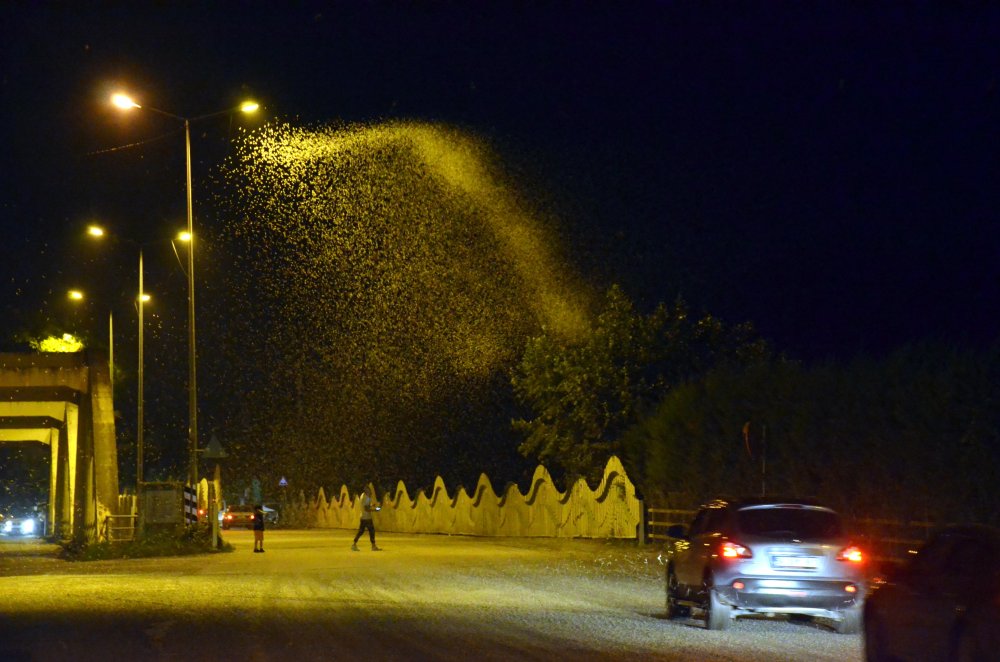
126, 102
123, 101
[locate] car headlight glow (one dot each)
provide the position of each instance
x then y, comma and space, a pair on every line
28, 526
8, 526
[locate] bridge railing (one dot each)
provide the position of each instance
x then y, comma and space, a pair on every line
658, 520
119, 528
891, 540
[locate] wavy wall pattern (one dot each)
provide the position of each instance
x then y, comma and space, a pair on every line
610, 511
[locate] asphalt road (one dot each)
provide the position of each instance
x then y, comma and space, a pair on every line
424, 597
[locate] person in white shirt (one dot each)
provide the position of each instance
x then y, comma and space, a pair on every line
366, 520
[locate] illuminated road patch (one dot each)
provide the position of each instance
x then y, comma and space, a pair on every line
423, 597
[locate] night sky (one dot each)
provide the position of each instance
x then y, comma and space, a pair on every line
828, 171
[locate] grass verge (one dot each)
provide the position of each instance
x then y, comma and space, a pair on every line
173, 541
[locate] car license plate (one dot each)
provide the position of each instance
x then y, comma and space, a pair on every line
796, 562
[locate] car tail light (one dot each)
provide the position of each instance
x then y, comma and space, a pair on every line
852, 554
733, 550
228, 516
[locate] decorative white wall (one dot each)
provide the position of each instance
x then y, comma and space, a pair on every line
609, 511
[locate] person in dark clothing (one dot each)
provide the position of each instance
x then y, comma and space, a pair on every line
366, 520
258, 528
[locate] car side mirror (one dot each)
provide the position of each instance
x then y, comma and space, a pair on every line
677, 531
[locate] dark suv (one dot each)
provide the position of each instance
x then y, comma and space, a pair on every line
765, 556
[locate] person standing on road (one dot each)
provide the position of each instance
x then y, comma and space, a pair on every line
366, 520
258, 528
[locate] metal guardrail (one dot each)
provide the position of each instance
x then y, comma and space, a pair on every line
658, 520
892, 540
888, 540
119, 528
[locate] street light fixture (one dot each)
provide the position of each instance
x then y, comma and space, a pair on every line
125, 102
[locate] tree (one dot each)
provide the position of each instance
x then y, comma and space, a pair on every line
65, 343
910, 436
585, 391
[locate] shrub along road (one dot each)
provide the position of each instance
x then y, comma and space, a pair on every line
424, 597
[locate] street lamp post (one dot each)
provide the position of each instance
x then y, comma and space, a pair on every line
125, 102
140, 434
192, 354
111, 351
140, 302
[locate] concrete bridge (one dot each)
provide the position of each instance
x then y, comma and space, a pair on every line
64, 401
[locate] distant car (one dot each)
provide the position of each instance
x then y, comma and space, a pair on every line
765, 556
28, 526
944, 604
237, 516
270, 514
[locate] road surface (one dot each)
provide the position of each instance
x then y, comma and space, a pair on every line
424, 597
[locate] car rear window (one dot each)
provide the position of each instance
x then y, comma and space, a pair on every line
791, 523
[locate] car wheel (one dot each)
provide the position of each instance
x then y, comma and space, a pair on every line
674, 610
850, 620
875, 639
717, 614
